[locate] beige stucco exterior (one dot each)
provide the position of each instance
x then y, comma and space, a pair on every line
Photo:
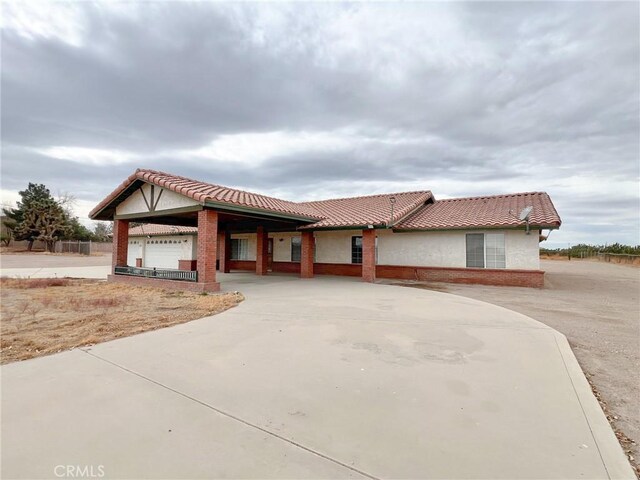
168, 200
420, 249
448, 248
334, 246
251, 246
282, 246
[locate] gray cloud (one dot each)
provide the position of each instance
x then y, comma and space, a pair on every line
459, 98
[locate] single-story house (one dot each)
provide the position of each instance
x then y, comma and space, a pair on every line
186, 229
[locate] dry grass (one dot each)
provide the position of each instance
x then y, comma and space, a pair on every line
45, 316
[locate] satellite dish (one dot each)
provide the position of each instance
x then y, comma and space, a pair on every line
524, 214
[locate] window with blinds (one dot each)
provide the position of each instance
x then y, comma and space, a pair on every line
486, 250
239, 249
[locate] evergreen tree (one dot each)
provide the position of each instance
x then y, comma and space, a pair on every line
44, 220
38, 216
16, 216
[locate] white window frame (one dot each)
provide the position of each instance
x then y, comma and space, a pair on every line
504, 248
484, 248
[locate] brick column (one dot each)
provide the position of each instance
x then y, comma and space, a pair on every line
262, 253
369, 255
207, 250
306, 255
224, 251
120, 244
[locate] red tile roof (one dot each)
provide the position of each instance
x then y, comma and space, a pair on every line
493, 211
412, 210
203, 192
155, 229
369, 210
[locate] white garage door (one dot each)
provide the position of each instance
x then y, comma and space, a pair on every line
162, 253
134, 251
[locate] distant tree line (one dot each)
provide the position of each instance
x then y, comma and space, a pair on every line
587, 250
39, 216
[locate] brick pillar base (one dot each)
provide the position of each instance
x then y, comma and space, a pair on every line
306, 255
262, 253
120, 244
369, 255
207, 249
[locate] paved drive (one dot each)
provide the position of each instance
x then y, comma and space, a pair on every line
322, 378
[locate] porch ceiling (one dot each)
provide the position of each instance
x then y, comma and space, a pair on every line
235, 223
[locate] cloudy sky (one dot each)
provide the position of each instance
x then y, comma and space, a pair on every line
307, 101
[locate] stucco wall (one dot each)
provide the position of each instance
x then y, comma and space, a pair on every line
420, 249
251, 237
334, 246
434, 249
523, 251
135, 203
282, 246
448, 249
427, 249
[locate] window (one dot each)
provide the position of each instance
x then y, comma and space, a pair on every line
495, 252
296, 247
486, 250
239, 249
475, 250
356, 249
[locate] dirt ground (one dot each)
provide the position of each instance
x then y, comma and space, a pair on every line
597, 306
45, 316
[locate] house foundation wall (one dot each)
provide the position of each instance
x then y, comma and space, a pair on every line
477, 276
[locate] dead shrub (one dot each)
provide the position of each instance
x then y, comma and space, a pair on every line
33, 310
104, 302
46, 301
23, 306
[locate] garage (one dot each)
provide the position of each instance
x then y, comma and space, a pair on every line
163, 252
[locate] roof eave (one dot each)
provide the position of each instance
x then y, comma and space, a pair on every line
476, 227
259, 211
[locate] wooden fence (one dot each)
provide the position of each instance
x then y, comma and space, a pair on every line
66, 246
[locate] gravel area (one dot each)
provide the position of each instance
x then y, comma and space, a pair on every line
597, 306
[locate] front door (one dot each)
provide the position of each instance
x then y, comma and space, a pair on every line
269, 253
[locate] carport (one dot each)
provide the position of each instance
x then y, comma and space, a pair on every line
217, 212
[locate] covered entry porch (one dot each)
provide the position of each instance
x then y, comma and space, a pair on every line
217, 212
213, 248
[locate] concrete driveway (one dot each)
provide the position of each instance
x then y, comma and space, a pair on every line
321, 378
44, 265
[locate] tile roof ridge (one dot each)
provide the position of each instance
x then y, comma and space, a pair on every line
159, 172
366, 196
480, 197
215, 185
